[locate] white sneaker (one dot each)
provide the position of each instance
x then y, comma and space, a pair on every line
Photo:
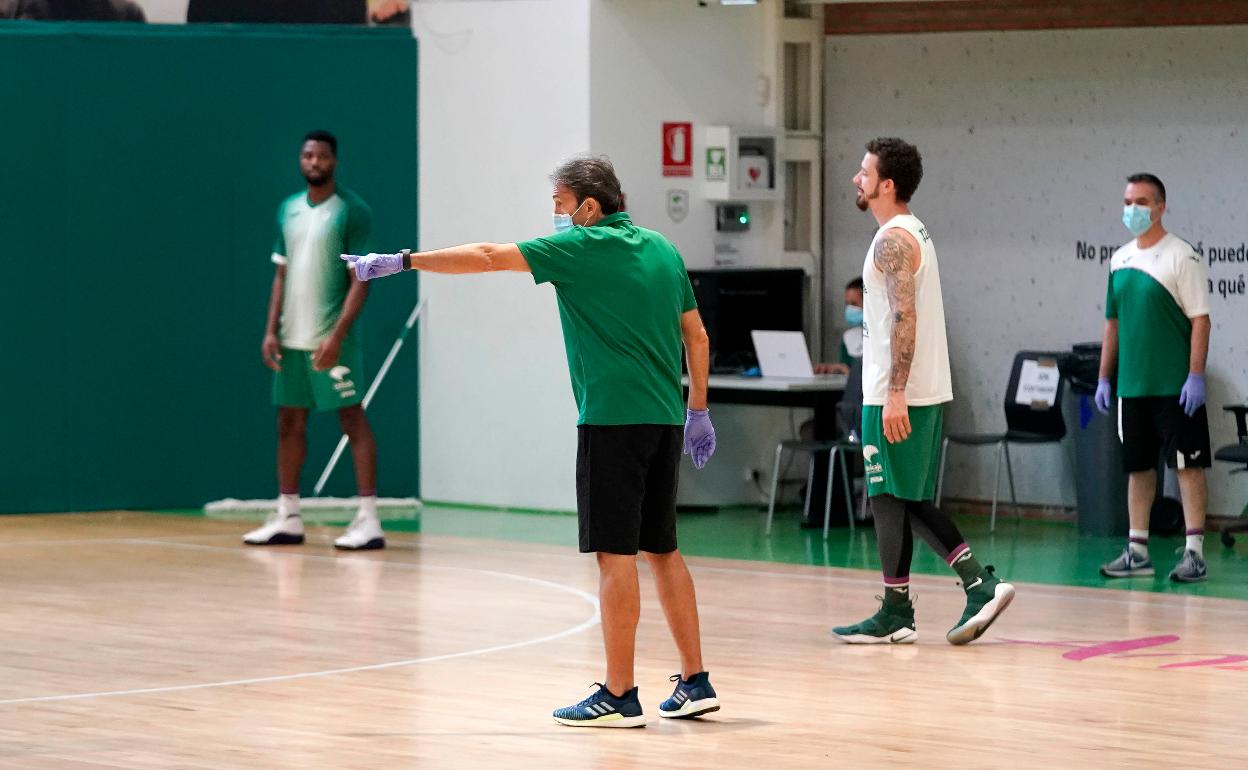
280, 528
364, 534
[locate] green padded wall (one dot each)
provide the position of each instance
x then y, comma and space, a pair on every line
142, 166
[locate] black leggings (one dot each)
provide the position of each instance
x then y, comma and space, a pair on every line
894, 520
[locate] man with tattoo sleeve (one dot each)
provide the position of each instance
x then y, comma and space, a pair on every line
906, 383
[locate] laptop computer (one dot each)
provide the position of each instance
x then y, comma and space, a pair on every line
783, 354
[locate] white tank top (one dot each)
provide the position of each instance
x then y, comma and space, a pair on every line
930, 381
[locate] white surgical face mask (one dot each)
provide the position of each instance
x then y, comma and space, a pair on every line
1137, 219
563, 222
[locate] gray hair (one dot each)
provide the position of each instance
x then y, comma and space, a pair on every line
591, 177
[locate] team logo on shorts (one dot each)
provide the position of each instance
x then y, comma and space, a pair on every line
344, 386
869, 454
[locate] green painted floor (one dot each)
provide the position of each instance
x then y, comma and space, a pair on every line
1029, 551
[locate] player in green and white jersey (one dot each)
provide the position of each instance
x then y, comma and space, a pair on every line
310, 345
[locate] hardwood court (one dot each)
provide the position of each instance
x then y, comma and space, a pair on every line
142, 641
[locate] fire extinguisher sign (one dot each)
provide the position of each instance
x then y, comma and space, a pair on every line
677, 149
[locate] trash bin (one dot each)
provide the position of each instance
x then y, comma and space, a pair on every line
1100, 484
1165, 518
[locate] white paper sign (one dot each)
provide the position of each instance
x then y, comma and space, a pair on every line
1037, 384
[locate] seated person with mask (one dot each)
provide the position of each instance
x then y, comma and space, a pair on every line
851, 340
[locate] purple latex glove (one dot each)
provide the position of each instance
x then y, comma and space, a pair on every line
699, 436
372, 266
1101, 399
1192, 397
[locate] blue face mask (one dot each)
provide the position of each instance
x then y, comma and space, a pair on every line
563, 222
853, 315
1137, 219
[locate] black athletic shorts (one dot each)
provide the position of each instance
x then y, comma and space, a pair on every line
1149, 425
626, 487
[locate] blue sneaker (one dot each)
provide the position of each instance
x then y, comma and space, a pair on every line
602, 709
693, 697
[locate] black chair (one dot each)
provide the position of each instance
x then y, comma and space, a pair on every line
849, 410
849, 417
837, 450
1031, 422
849, 414
1238, 455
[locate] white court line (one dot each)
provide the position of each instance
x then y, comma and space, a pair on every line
586, 624
1039, 590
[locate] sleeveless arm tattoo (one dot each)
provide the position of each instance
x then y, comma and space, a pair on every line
892, 258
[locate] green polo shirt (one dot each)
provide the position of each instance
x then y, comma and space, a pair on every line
621, 291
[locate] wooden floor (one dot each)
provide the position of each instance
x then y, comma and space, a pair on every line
142, 641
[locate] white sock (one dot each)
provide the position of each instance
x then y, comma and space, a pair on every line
1196, 543
288, 504
1138, 541
368, 507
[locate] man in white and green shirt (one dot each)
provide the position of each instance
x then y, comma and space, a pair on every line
1157, 337
309, 343
851, 339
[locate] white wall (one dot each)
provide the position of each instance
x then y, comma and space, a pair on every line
1027, 138
503, 99
654, 61
164, 11
508, 89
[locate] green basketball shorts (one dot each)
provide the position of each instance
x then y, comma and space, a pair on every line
340, 386
907, 469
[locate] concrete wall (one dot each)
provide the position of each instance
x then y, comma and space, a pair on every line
1027, 138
